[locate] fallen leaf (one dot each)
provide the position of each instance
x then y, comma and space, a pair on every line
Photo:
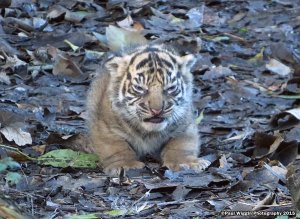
250, 206
196, 16
217, 72
115, 213
84, 216
180, 192
65, 66
73, 47
4, 78
258, 57
200, 117
14, 132
13, 62
278, 68
68, 158
118, 38
57, 12
266, 144
286, 119
293, 182
76, 16
13, 177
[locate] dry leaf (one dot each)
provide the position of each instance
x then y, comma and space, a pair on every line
4, 78
118, 38
266, 144
293, 182
278, 68
64, 66
14, 132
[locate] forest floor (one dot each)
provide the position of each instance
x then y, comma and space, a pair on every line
247, 92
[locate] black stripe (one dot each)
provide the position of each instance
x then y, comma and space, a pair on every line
169, 73
157, 59
172, 58
134, 57
129, 98
151, 49
167, 63
181, 99
130, 104
181, 85
128, 76
143, 63
178, 75
130, 91
151, 64
123, 90
143, 106
151, 70
176, 92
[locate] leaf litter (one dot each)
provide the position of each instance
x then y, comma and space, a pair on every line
246, 91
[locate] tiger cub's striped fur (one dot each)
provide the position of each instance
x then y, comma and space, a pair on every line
141, 103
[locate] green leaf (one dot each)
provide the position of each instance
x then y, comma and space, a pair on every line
84, 216
200, 117
12, 164
69, 158
282, 217
116, 212
297, 96
13, 177
8, 162
243, 30
111, 213
258, 57
73, 47
3, 166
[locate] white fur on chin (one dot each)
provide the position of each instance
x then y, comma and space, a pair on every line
150, 126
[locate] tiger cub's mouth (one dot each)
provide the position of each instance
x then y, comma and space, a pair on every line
154, 119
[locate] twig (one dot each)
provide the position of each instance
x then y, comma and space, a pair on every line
17, 151
176, 202
40, 67
235, 37
20, 192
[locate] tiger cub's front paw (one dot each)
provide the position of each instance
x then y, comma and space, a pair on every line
196, 164
115, 168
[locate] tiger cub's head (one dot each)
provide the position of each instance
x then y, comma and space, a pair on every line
151, 86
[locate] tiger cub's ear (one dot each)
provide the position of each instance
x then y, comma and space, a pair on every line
117, 65
187, 62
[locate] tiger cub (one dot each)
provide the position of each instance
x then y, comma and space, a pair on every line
141, 104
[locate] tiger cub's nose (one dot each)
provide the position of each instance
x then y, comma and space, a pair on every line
156, 112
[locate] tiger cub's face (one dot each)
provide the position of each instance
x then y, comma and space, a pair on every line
152, 86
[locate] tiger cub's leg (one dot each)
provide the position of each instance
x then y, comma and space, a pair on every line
181, 152
114, 152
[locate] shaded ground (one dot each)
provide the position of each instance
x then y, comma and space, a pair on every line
246, 77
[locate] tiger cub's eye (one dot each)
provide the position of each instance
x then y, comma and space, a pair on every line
171, 89
139, 89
